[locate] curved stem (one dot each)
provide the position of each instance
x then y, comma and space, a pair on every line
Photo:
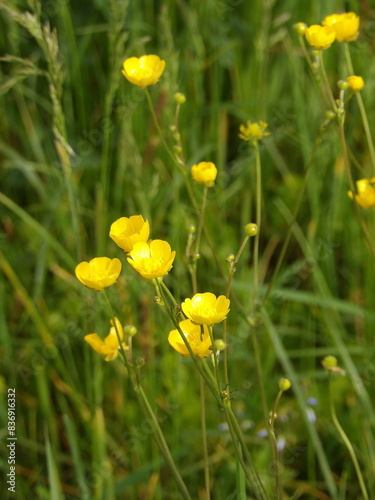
148, 411
347, 442
204, 437
362, 108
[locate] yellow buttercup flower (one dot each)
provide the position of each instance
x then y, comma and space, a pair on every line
143, 71
320, 37
126, 232
99, 272
205, 173
253, 131
355, 83
153, 259
346, 26
206, 308
197, 336
109, 347
366, 193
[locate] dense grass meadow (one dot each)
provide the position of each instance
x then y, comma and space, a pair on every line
81, 147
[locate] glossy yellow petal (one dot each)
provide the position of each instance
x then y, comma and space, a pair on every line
153, 259
143, 71
99, 272
198, 337
345, 26
355, 83
365, 196
108, 347
206, 309
320, 37
126, 232
205, 173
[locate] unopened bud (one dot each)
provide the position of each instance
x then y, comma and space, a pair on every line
251, 229
329, 362
130, 330
284, 384
300, 28
220, 345
179, 98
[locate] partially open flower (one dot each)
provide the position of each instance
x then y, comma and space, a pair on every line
143, 71
109, 347
366, 193
320, 37
206, 308
355, 83
198, 337
99, 272
125, 231
345, 26
205, 173
153, 259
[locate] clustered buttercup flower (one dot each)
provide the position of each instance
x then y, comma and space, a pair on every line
152, 260
206, 308
109, 347
204, 173
355, 83
345, 26
197, 336
365, 196
253, 131
126, 232
341, 27
320, 37
99, 273
143, 71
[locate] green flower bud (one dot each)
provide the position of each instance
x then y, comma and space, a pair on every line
329, 362
179, 98
300, 28
220, 345
284, 384
251, 229
130, 330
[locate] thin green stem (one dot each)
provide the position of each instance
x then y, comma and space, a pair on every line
201, 219
347, 442
364, 227
274, 442
362, 109
204, 436
258, 216
326, 82
149, 413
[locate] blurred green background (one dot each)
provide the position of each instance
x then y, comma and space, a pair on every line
80, 434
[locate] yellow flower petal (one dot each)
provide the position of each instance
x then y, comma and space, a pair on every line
153, 259
108, 347
143, 71
366, 193
198, 337
99, 272
320, 37
204, 172
253, 131
206, 308
345, 26
126, 232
